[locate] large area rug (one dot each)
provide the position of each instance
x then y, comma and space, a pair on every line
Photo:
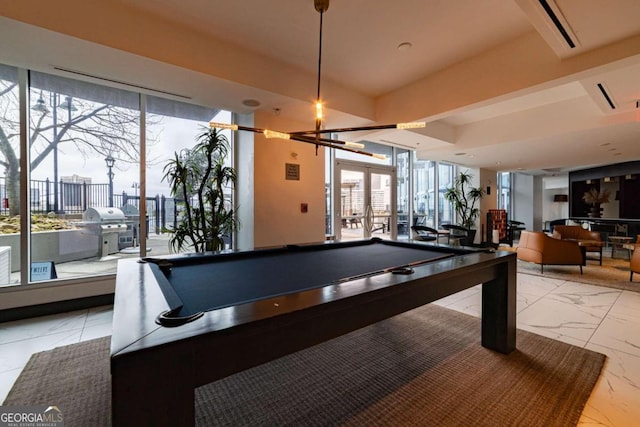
614, 273
425, 367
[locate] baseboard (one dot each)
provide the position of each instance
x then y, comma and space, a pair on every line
27, 312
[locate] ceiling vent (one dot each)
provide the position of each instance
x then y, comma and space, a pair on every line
606, 96
557, 22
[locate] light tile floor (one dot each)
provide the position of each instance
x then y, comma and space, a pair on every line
600, 319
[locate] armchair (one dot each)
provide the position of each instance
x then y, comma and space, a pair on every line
590, 240
538, 248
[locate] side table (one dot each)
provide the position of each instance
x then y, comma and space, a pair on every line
618, 242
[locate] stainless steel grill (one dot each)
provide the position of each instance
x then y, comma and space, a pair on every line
131, 236
107, 224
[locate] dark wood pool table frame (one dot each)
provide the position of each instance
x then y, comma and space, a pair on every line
155, 369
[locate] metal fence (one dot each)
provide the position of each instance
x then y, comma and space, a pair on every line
73, 198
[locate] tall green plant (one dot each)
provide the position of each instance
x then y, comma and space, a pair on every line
199, 177
464, 197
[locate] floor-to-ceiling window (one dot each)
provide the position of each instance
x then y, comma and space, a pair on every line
504, 191
84, 145
10, 180
328, 180
83, 174
424, 193
446, 177
403, 167
172, 127
430, 181
365, 198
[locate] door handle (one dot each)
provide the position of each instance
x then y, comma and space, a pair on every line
368, 218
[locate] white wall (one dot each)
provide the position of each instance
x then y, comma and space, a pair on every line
523, 196
277, 201
551, 186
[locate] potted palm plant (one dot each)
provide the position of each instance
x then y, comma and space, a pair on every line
199, 176
464, 198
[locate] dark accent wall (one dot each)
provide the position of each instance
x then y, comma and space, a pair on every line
624, 178
630, 193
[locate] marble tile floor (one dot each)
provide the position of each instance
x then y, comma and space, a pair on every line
600, 319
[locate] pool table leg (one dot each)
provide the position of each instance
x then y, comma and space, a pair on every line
153, 387
499, 310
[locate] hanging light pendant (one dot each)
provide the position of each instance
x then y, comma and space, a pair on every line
315, 136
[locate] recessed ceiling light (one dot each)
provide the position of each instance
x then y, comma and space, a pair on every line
460, 154
403, 47
251, 103
605, 144
611, 149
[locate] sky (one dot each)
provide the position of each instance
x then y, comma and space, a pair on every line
175, 135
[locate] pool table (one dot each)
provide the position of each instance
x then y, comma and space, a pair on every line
180, 322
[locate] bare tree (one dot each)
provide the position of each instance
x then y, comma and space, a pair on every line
92, 129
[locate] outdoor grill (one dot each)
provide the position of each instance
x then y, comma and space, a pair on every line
107, 224
131, 236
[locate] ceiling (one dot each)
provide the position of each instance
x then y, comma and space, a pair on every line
496, 81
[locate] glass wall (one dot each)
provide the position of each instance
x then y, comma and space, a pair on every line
173, 128
403, 167
84, 174
429, 182
504, 191
424, 195
10, 179
421, 185
328, 206
84, 143
446, 177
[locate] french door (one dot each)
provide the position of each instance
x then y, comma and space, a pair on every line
365, 201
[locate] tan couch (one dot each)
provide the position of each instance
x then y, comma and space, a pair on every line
537, 247
591, 240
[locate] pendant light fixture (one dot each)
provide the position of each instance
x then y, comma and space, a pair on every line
315, 136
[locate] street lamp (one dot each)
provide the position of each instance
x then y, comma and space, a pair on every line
110, 161
41, 107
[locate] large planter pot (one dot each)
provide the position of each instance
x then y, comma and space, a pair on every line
471, 237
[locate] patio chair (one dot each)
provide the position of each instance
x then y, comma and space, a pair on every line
457, 233
424, 233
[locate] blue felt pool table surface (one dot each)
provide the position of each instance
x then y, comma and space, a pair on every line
198, 284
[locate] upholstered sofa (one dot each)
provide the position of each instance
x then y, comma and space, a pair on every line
591, 240
537, 247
